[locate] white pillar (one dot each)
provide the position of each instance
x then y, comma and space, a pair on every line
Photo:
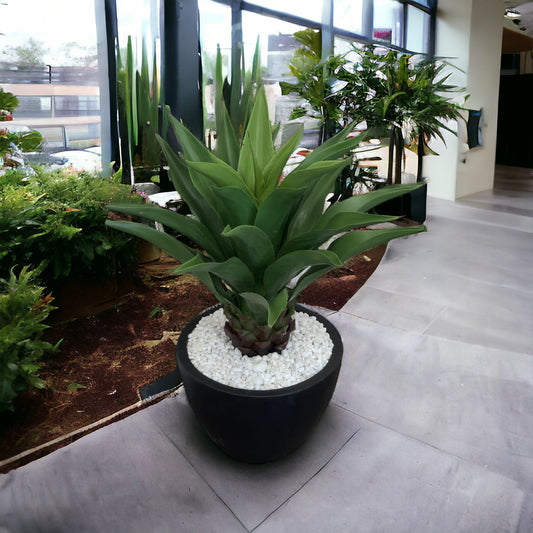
469, 33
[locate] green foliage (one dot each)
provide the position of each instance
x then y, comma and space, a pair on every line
315, 77
27, 141
57, 219
23, 310
256, 234
234, 102
139, 100
8, 101
29, 54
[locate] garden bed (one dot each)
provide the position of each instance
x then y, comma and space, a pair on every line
105, 359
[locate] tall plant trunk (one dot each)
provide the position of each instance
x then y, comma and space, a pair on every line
420, 153
398, 158
390, 166
394, 172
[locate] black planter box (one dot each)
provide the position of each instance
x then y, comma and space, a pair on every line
411, 205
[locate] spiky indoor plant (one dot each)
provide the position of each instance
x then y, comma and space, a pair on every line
261, 240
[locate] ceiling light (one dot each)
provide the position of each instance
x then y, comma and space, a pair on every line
512, 13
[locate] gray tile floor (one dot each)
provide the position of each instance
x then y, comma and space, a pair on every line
430, 429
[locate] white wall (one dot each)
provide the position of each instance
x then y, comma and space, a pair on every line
469, 33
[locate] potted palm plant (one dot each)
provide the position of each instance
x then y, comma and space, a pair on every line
260, 242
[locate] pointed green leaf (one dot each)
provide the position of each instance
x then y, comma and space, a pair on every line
312, 206
272, 172
276, 307
163, 240
258, 306
275, 213
285, 268
253, 246
179, 174
364, 202
187, 226
227, 144
232, 271
257, 142
357, 242
234, 206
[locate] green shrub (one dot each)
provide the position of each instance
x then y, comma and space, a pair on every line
56, 219
23, 310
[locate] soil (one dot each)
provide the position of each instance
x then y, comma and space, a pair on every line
105, 358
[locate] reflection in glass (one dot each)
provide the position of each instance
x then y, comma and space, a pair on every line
387, 21
309, 9
348, 15
417, 30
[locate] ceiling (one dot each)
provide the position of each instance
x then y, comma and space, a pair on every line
523, 24
518, 32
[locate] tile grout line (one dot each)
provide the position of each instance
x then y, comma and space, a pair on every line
163, 432
436, 448
308, 481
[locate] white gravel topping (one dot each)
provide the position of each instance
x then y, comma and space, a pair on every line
213, 354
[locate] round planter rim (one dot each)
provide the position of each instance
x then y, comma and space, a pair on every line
337, 351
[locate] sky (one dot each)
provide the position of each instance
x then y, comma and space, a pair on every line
53, 22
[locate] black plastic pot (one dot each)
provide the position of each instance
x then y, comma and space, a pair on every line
411, 205
258, 426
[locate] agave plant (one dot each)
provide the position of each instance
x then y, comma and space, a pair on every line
260, 240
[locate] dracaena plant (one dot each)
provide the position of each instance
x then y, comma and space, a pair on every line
260, 241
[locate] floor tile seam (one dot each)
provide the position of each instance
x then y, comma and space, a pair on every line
426, 333
311, 478
482, 466
466, 212
473, 281
198, 473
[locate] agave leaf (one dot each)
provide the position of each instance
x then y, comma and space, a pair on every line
253, 246
276, 307
275, 213
356, 242
333, 148
272, 171
285, 268
193, 149
341, 223
179, 174
304, 179
307, 278
364, 202
234, 206
257, 142
206, 175
190, 227
258, 305
227, 145
233, 271
220, 175
163, 240
312, 206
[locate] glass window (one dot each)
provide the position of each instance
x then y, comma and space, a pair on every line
388, 22
215, 31
417, 30
309, 9
140, 20
49, 60
348, 15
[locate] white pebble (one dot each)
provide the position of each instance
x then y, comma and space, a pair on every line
213, 354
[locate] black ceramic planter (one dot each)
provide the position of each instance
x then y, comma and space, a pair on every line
258, 426
411, 205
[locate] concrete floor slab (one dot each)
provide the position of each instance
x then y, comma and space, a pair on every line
389, 483
253, 492
470, 401
126, 477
